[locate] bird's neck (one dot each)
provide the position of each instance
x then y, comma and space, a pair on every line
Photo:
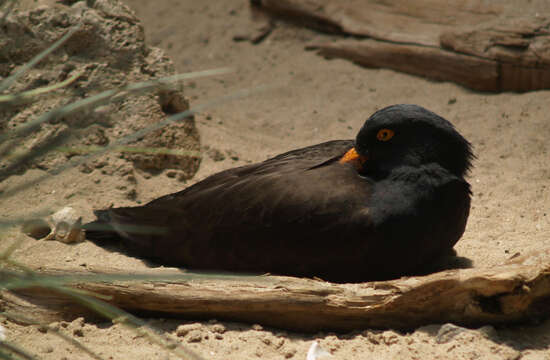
433, 173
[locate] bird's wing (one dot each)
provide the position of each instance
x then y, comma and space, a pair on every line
254, 214
299, 159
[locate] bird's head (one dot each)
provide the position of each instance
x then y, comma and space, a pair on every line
409, 135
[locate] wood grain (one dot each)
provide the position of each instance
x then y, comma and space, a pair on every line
485, 46
514, 292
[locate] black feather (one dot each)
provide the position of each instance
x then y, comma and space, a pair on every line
305, 213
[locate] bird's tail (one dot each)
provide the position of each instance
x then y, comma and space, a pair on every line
101, 230
134, 229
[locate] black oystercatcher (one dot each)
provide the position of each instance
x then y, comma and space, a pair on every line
382, 206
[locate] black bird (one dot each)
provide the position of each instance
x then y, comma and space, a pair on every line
380, 207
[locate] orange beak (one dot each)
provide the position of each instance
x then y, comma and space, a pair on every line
353, 158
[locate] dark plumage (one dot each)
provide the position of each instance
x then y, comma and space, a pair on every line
388, 210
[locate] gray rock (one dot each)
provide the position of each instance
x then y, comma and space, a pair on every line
447, 332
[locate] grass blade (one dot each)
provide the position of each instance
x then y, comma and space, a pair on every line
27, 95
106, 96
19, 161
6, 83
12, 348
132, 137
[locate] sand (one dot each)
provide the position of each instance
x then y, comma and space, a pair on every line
310, 100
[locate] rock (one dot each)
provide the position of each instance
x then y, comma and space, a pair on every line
447, 332
78, 323
316, 352
42, 329
489, 332
290, 353
66, 226
218, 328
183, 330
385, 337
194, 336
47, 349
107, 51
54, 326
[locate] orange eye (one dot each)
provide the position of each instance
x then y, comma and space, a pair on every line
385, 134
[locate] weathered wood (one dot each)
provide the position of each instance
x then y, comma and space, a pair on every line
397, 21
522, 41
509, 293
433, 63
484, 46
520, 46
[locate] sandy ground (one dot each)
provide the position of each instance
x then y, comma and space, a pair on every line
311, 100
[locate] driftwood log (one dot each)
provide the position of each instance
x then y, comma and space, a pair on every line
515, 292
486, 46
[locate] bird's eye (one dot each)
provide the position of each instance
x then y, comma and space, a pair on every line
384, 134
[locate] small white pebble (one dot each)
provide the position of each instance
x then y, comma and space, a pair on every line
194, 336
218, 328
183, 330
316, 352
290, 353
2, 333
